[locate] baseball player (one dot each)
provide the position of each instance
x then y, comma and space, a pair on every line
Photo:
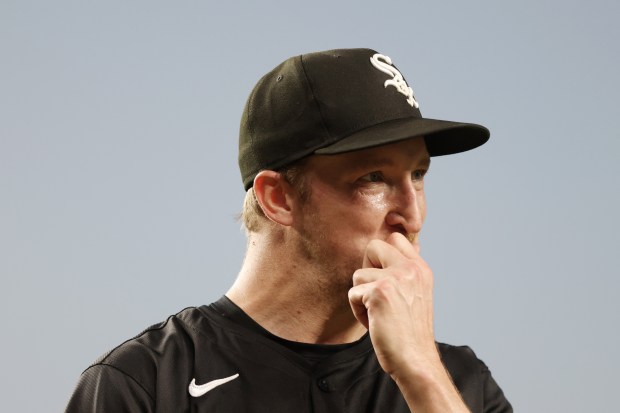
332, 310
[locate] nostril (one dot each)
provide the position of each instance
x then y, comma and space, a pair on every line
400, 229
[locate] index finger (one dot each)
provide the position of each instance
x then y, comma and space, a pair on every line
381, 254
408, 246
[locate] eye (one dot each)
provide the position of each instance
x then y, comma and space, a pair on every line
375, 176
418, 175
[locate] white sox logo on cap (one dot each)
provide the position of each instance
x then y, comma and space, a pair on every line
384, 64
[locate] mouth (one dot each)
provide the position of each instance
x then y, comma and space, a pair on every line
413, 237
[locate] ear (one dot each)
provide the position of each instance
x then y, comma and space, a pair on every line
273, 193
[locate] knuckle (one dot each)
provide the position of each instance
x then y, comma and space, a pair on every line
413, 272
408, 271
402, 274
409, 278
351, 293
385, 287
358, 277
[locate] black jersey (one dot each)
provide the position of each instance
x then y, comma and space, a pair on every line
204, 360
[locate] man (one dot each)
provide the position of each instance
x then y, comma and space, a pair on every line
333, 308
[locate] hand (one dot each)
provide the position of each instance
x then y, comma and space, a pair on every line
392, 296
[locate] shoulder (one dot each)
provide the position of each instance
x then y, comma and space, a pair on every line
473, 379
465, 368
128, 376
169, 341
459, 360
148, 343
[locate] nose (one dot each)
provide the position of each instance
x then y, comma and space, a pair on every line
407, 210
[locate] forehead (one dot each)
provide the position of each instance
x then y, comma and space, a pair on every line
406, 154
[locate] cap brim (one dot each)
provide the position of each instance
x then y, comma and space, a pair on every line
442, 137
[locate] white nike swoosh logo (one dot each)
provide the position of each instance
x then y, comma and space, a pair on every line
199, 390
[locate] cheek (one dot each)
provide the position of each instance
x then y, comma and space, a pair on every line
375, 202
371, 203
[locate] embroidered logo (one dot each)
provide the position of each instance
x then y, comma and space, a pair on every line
199, 390
384, 64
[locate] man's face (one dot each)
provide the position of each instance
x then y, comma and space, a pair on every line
357, 197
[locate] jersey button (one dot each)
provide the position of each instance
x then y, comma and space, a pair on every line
323, 385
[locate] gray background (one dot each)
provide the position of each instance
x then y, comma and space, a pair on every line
119, 184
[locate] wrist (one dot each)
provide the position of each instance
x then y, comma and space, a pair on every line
428, 387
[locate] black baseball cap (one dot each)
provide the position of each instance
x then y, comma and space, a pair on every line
338, 101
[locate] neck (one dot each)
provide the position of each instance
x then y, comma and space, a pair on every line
283, 293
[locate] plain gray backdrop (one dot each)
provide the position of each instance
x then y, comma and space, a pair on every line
119, 184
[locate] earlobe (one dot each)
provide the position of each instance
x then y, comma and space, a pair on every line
273, 195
